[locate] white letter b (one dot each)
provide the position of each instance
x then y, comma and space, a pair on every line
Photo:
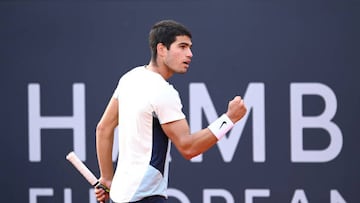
299, 122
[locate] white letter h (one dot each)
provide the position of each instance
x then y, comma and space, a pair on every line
38, 122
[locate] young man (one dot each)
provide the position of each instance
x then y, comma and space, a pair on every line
148, 113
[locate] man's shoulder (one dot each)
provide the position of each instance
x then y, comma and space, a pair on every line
133, 73
136, 69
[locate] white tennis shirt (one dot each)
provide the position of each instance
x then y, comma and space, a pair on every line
146, 100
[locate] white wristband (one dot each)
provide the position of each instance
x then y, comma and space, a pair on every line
221, 126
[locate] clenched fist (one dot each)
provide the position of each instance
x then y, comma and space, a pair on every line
236, 109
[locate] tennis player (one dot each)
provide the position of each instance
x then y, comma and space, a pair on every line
148, 113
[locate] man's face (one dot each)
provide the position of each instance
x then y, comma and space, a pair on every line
178, 57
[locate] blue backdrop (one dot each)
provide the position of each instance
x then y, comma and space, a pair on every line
295, 62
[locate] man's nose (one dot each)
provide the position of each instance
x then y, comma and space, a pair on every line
190, 54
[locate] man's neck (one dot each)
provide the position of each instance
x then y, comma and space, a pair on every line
160, 69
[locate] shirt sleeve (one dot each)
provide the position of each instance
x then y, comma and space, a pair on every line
167, 105
116, 91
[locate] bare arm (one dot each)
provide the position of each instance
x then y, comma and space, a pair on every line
104, 145
191, 145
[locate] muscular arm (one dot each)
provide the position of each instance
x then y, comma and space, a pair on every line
191, 145
104, 140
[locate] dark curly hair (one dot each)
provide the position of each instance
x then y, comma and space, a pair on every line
165, 32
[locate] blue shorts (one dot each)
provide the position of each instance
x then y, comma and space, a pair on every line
152, 199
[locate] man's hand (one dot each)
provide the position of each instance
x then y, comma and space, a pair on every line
236, 109
101, 194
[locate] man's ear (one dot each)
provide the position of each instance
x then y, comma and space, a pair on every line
161, 49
